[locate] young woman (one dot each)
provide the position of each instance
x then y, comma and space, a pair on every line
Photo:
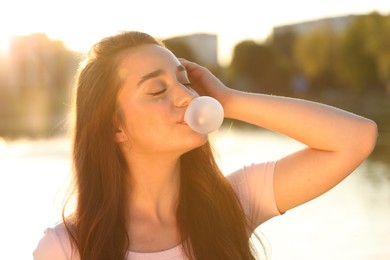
148, 187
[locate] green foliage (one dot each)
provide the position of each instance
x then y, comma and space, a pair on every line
283, 46
354, 60
379, 46
316, 55
361, 49
258, 68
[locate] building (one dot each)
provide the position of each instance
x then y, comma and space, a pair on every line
335, 24
203, 46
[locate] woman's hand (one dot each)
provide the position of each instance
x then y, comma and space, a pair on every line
205, 83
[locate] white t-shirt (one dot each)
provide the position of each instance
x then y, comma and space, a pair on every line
253, 186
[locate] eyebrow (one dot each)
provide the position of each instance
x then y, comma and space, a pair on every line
157, 73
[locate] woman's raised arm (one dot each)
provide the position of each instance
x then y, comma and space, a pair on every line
337, 141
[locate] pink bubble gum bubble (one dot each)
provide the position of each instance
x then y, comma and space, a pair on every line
204, 115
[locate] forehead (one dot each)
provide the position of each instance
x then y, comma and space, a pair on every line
145, 59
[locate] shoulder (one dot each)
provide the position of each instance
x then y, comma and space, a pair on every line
54, 244
253, 180
262, 171
254, 187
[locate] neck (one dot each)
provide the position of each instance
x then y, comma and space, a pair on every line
154, 184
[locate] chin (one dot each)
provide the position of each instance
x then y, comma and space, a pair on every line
201, 140
196, 142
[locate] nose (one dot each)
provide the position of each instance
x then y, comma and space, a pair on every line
184, 96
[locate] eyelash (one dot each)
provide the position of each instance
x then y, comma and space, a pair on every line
154, 94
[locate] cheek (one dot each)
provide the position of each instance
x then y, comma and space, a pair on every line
147, 120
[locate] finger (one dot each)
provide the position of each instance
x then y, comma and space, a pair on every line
189, 64
194, 70
184, 62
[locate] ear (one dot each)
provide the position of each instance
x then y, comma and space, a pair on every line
120, 135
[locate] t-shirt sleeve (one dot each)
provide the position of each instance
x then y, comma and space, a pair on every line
54, 244
253, 185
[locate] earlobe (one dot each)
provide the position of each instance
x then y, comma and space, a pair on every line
120, 135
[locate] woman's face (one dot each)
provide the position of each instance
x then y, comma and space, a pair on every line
153, 99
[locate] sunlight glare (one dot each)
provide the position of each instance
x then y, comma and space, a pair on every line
79, 27
4, 43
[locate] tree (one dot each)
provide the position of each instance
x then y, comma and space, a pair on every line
365, 53
283, 47
315, 54
255, 66
379, 45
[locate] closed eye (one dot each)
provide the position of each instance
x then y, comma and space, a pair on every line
157, 93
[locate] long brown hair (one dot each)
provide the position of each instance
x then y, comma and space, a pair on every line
210, 217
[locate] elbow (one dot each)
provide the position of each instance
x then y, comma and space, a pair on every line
369, 137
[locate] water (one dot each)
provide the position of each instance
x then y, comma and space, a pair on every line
349, 222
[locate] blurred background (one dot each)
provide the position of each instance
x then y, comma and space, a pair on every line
336, 52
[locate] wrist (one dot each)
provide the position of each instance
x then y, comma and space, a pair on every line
228, 102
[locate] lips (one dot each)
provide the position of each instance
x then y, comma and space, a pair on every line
181, 121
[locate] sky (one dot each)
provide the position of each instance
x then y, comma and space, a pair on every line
80, 23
